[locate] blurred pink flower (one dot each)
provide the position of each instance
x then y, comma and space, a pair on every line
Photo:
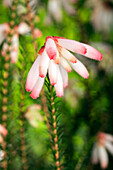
7, 3
3, 130
55, 58
102, 15
20, 29
21, 8
55, 10
37, 33
99, 153
1, 139
4, 30
1, 155
33, 115
13, 48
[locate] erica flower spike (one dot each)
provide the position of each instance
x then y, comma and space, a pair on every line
55, 59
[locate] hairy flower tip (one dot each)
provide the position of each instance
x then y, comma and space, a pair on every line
103, 143
56, 59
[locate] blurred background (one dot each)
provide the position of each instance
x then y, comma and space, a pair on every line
87, 105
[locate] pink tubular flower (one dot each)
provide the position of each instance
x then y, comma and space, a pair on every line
99, 153
55, 59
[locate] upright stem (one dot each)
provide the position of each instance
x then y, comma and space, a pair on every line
45, 109
30, 19
22, 135
4, 102
5, 80
55, 132
50, 113
5, 89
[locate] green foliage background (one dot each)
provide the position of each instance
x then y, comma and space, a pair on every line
86, 107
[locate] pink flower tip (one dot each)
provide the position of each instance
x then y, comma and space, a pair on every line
48, 38
57, 62
84, 51
16, 28
27, 89
59, 95
87, 76
69, 70
52, 54
3, 130
34, 97
41, 50
37, 33
3, 53
53, 83
65, 85
100, 58
75, 61
13, 61
41, 75
58, 37
104, 166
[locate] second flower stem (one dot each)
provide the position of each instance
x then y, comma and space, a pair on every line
55, 135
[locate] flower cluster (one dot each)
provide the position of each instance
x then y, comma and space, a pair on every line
55, 59
99, 153
21, 29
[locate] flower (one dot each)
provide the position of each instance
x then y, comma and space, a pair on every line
7, 3
102, 15
13, 48
3, 132
21, 9
55, 58
22, 29
1, 155
55, 10
4, 30
107, 63
33, 4
99, 153
37, 33
33, 115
